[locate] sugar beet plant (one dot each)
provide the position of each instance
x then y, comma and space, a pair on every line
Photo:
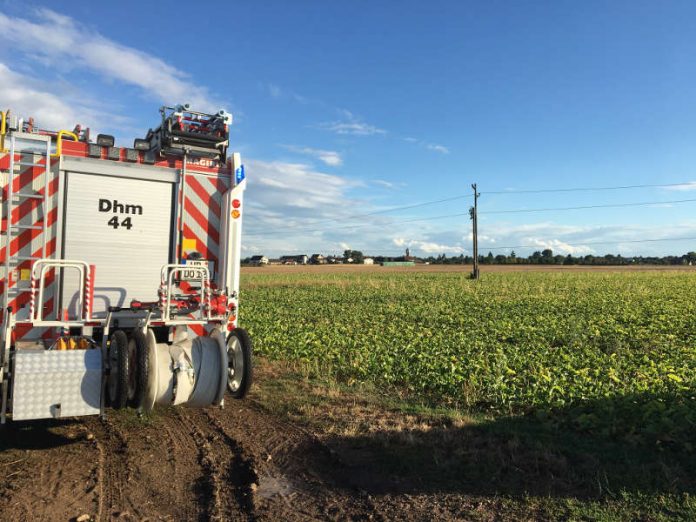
614, 352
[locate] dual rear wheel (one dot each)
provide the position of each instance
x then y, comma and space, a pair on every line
129, 364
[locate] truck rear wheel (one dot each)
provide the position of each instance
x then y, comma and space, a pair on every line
138, 357
119, 370
239, 367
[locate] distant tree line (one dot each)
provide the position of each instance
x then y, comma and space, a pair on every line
547, 257
540, 257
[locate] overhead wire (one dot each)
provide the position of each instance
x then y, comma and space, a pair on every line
510, 191
585, 207
590, 243
508, 211
589, 189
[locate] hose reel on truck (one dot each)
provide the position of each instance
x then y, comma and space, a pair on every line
80, 334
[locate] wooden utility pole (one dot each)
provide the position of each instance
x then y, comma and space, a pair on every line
473, 212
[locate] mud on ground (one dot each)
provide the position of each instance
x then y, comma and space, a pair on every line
301, 449
236, 463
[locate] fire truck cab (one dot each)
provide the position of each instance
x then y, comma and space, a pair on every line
119, 268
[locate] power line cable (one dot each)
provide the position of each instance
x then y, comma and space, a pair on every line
460, 214
590, 243
466, 196
584, 207
590, 189
377, 212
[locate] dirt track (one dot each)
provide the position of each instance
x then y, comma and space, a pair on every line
231, 464
237, 463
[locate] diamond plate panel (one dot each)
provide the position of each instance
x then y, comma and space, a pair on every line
49, 383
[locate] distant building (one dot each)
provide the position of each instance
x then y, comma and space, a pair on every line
368, 261
294, 260
258, 260
317, 259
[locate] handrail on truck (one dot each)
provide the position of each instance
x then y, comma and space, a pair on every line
169, 280
3, 129
84, 271
59, 141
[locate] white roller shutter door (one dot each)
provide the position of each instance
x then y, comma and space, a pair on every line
121, 225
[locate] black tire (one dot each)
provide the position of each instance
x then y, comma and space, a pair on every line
117, 384
133, 367
140, 370
239, 349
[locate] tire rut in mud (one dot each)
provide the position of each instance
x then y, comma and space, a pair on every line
114, 472
293, 472
228, 477
237, 463
146, 471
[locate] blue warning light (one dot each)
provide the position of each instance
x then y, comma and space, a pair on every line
239, 175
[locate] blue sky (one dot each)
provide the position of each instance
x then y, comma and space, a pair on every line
344, 109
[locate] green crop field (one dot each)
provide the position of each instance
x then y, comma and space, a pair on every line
604, 363
513, 342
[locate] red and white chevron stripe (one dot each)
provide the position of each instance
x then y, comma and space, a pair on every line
202, 215
202, 219
28, 243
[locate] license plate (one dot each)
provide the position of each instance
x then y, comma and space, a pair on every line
193, 274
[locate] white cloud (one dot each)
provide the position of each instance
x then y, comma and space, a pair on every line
328, 157
350, 124
63, 43
327, 226
559, 247
428, 247
352, 127
691, 185
280, 186
578, 240
437, 148
384, 183
60, 109
291, 208
584, 239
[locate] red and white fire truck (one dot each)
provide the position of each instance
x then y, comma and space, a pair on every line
120, 268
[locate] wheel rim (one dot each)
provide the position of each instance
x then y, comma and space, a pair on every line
235, 367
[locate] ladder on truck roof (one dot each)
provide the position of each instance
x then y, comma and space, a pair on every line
26, 146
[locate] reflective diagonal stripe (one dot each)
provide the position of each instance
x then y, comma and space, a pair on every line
202, 213
201, 246
207, 226
29, 180
205, 195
